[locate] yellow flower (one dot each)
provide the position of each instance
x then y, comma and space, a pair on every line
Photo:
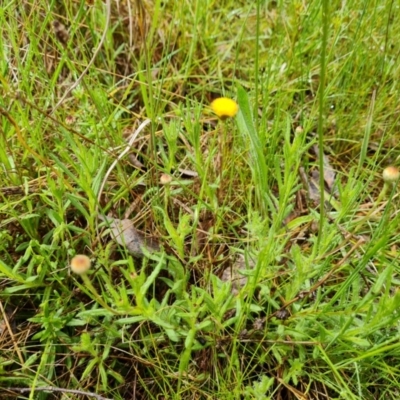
224, 107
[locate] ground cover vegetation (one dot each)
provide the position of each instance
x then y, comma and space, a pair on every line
150, 249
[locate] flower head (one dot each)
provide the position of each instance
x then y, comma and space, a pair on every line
80, 264
390, 174
224, 107
165, 179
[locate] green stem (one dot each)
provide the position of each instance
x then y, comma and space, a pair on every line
382, 194
325, 25
93, 291
223, 151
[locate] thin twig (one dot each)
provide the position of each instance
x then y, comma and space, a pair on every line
96, 52
56, 389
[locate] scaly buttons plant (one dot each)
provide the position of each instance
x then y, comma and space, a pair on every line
80, 264
224, 107
390, 174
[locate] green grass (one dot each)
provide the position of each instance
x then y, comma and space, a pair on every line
318, 316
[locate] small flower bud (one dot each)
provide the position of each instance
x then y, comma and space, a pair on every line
70, 120
391, 174
80, 264
165, 179
299, 130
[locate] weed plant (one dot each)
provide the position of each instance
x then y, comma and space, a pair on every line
313, 314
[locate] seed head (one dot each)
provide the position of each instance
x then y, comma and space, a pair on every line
165, 179
391, 174
224, 107
80, 264
299, 129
